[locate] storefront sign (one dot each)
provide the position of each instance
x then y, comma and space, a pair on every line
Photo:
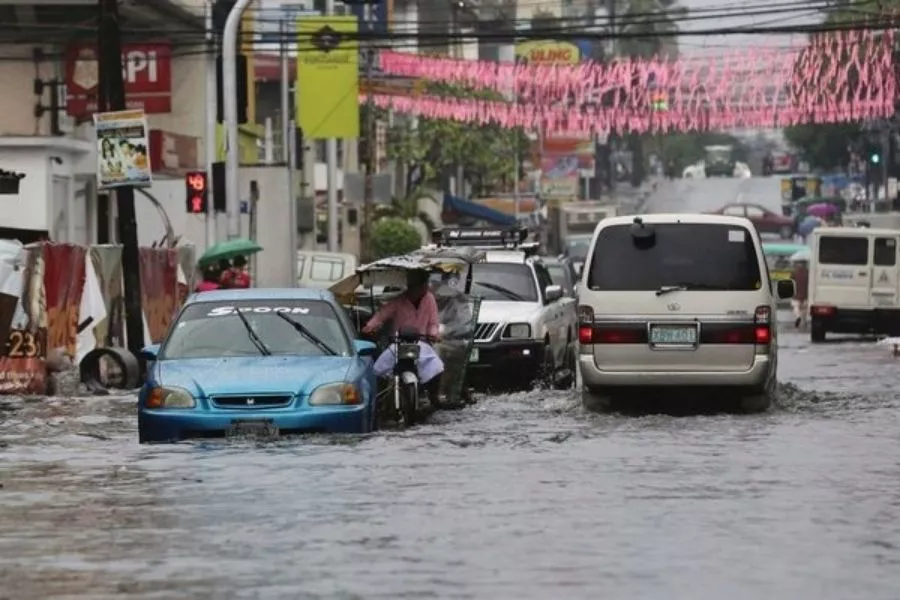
172, 153
146, 69
559, 176
122, 156
548, 52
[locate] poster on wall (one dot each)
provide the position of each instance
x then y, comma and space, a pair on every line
122, 149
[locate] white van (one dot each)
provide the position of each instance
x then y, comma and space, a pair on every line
853, 281
320, 270
678, 301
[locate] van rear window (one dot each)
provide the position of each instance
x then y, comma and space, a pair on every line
835, 250
698, 255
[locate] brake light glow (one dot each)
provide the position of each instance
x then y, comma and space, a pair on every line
822, 311
618, 336
585, 334
763, 335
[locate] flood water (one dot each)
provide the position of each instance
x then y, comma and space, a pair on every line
522, 496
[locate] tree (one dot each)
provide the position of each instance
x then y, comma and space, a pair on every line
656, 19
437, 147
394, 237
826, 146
407, 209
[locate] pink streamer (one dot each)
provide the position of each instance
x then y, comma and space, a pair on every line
839, 76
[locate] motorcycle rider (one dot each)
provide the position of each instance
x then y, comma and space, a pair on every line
414, 309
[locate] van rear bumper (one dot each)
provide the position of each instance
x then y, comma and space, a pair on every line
756, 376
878, 320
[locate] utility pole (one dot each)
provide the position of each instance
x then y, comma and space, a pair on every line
111, 94
370, 133
230, 110
211, 125
331, 179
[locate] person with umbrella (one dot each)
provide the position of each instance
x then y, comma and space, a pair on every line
210, 279
237, 276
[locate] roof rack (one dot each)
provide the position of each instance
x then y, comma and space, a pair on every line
512, 238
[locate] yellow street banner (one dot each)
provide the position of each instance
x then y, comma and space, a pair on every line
248, 143
328, 77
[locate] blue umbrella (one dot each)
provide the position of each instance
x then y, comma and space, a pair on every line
808, 224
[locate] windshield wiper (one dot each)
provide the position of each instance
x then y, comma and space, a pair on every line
502, 290
681, 287
254, 337
305, 332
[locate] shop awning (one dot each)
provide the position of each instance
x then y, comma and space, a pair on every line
477, 211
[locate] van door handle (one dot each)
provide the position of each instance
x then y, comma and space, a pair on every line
863, 273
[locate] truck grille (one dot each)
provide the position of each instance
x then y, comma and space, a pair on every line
251, 401
485, 331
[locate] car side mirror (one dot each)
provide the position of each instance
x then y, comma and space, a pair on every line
785, 289
364, 347
150, 352
553, 293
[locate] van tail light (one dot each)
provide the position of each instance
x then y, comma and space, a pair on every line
762, 332
818, 310
613, 333
758, 333
585, 325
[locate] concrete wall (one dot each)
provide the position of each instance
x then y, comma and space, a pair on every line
273, 268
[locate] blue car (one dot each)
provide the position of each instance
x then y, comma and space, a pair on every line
284, 361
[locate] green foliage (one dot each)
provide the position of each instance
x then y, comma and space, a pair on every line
824, 146
486, 153
393, 237
649, 18
407, 209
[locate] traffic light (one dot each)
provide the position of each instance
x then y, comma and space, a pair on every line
197, 192
875, 158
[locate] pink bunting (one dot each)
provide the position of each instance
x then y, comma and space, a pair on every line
839, 76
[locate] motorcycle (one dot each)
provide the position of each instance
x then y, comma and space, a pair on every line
407, 390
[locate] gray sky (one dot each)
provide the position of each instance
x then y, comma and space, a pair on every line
799, 14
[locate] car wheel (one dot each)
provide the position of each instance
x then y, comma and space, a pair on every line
548, 368
565, 377
786, 233
816, 332
594, 401
755, 403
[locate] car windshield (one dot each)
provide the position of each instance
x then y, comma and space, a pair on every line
682, 255
214, 330
778, 262
558, 275
577, 247
718, 153
504, 281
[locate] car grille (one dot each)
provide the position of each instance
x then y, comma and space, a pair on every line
251, 401
486, 331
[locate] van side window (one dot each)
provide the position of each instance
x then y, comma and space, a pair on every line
843, 250
885, 252
326, 269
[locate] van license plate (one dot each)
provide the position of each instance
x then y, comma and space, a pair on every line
673, 335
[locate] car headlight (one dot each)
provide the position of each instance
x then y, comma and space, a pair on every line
518, 331
170, 397
334, 394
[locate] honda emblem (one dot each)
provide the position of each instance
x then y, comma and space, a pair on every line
673, 306
251, 401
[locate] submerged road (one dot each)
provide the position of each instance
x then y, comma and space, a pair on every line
520, 497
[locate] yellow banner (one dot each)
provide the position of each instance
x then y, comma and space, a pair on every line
248, 143
327, 96
548, 52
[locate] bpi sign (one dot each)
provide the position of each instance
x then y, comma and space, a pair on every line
146, 69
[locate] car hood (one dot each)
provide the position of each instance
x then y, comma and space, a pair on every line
499, 311
258, 375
